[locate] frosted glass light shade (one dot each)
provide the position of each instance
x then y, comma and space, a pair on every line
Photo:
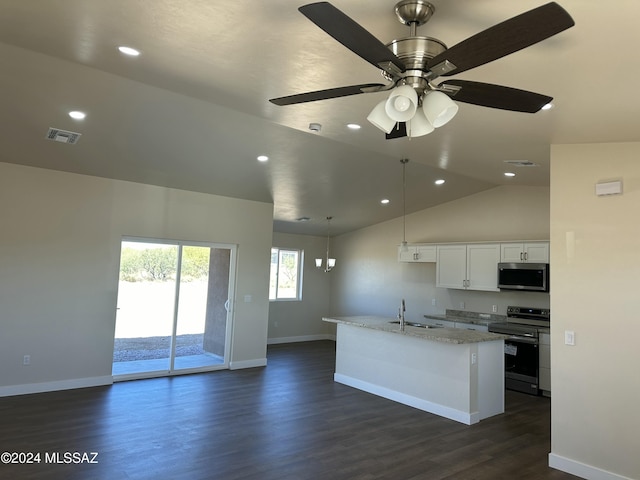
439, 108
331, 262
402, 103
318, 262
419, 125
380, 119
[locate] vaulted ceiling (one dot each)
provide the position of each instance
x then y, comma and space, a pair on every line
192, 110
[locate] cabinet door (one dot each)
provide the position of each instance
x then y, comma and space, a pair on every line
536, 252
482, 267
426, 253
407, 254
533, 252
512, 252
451, 266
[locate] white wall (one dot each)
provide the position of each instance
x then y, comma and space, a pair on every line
302, 320
371, 281
59, 261
595, 257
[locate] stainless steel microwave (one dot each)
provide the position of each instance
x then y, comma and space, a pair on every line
529, 277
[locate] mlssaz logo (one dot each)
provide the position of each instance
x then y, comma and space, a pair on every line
71, 457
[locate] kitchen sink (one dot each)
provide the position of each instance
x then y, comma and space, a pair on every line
414, 324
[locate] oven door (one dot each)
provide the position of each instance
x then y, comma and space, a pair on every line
521, 364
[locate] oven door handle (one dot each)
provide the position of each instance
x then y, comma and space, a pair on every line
518, 338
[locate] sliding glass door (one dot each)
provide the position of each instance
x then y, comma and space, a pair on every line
173, 308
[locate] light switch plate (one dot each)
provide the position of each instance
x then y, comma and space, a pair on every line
569, 337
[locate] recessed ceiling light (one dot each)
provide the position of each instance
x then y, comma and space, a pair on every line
262, 158
353, 126
77, 115
548, 106
303, 219
439, 181
384, 201
132, 52
509, 174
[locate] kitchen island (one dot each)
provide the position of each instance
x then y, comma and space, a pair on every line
454, 373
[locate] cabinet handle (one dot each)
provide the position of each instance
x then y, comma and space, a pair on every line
521, 256
526, 256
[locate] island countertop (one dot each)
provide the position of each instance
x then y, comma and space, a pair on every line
440, 334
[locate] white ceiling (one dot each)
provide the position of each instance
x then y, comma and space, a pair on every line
192, 110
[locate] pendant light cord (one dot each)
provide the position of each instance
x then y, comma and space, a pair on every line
404, 162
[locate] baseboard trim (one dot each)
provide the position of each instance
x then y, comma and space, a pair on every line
415, 402
256, 362
582, 469
30, 388
302, 338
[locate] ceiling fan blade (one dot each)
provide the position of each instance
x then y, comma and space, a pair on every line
352, 35
328, 94
504, 38
496, 96
399, 131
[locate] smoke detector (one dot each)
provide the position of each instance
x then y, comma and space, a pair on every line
62, 136
521, 163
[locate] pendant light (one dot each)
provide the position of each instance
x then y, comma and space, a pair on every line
330, 262
404, 162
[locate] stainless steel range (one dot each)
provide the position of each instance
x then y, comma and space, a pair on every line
521, 349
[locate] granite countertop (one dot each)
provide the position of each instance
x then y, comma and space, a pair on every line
445, 335
461, 316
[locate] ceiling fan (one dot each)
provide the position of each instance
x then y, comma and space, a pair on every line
412, 64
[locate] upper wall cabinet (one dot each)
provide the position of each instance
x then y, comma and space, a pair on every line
468, 267
417, 253
530, 252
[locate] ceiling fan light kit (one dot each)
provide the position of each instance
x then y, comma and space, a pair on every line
414, 62
380, 119
402, 103
419, 125
439, 108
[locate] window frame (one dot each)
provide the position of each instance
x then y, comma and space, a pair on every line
300, 255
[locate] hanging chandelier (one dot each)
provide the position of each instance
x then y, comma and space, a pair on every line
329, 262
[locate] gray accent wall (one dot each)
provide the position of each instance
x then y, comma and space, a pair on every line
59, 263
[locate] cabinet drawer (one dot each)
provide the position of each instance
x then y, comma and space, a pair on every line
472, 326
440, 323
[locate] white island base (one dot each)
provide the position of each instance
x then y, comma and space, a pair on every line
460, 381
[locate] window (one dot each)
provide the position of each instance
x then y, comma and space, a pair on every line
285, 282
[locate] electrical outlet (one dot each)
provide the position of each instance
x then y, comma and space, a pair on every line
26, 360
433, 302
461, 305
494, 308
474, 358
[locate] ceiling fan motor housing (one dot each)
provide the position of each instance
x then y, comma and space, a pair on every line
415, 52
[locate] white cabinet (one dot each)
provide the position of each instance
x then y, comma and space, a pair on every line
451, 266
468, 267
417, 253
530, 252
544, 366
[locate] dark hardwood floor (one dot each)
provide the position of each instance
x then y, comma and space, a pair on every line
286, 421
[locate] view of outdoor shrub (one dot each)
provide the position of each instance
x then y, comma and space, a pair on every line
160, 264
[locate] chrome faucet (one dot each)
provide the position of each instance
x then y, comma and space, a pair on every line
401, 311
